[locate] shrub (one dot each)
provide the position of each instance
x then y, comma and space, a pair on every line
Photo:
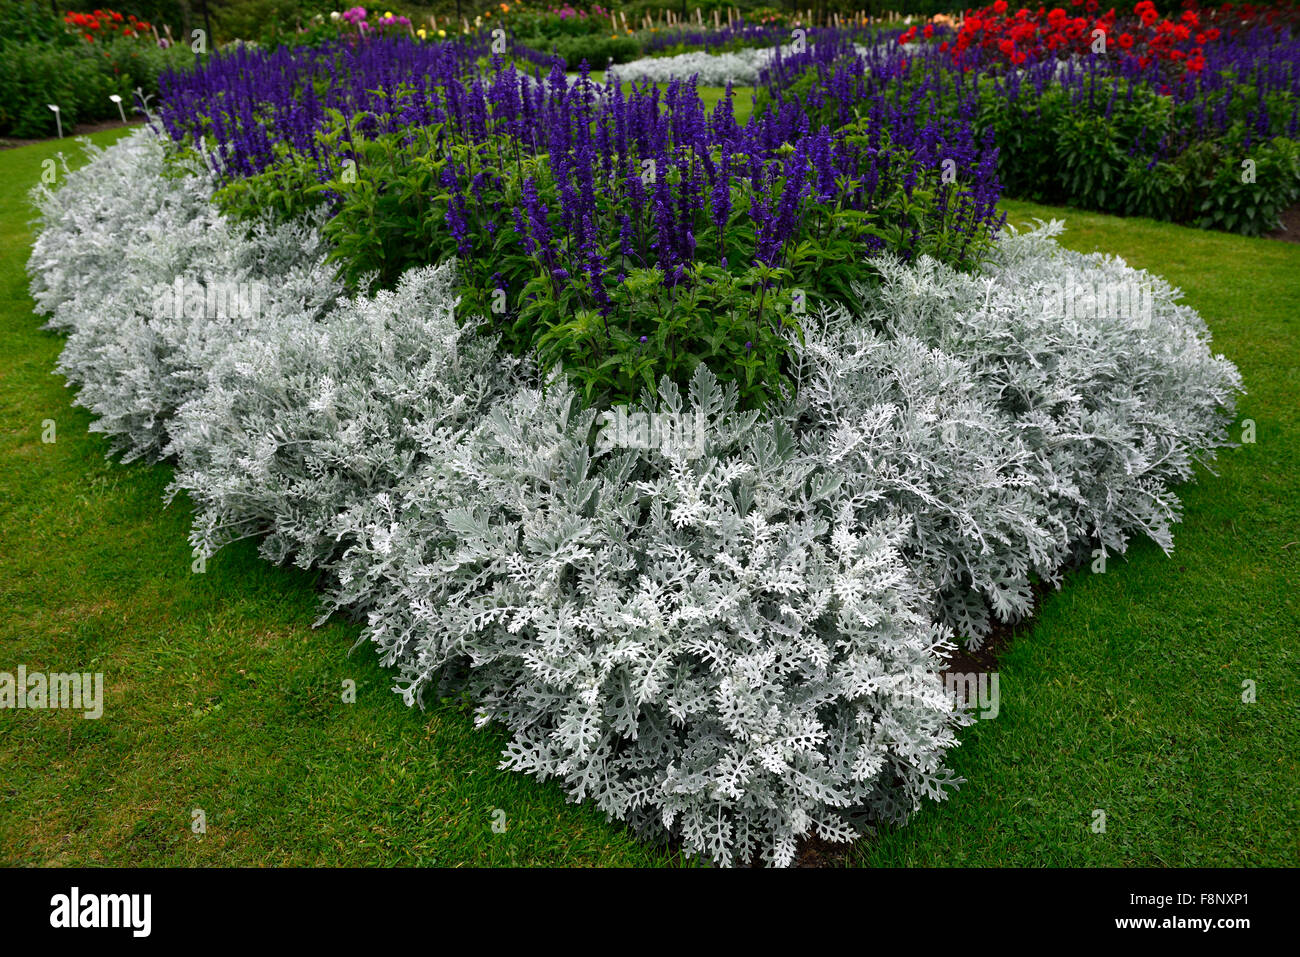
1125, 149
1021, 416
596, 50
34, 75
31, 21
741, 68
132, 361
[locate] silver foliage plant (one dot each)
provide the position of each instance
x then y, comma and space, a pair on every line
740, 67
735, 644
116, 233
1019, 437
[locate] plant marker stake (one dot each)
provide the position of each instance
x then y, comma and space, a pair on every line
118, 100
57, 118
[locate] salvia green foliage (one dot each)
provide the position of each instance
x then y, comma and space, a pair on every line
727, 310
734, 641
737, 319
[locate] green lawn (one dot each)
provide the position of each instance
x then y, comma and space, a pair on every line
1124, 695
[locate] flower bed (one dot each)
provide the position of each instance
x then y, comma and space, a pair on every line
1140, 39
739, 67
734, 644
690, 480
1201, 128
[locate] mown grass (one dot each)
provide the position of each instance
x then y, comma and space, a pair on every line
1124, 695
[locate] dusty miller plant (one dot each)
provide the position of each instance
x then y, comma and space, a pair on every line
1017, 437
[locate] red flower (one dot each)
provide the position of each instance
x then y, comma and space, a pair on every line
1125, 41
1000, 7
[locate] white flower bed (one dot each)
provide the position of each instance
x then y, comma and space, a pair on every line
741, 68
713, 69
736, 647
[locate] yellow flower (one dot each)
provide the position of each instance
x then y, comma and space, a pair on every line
421, 33
389, 14
442, 33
